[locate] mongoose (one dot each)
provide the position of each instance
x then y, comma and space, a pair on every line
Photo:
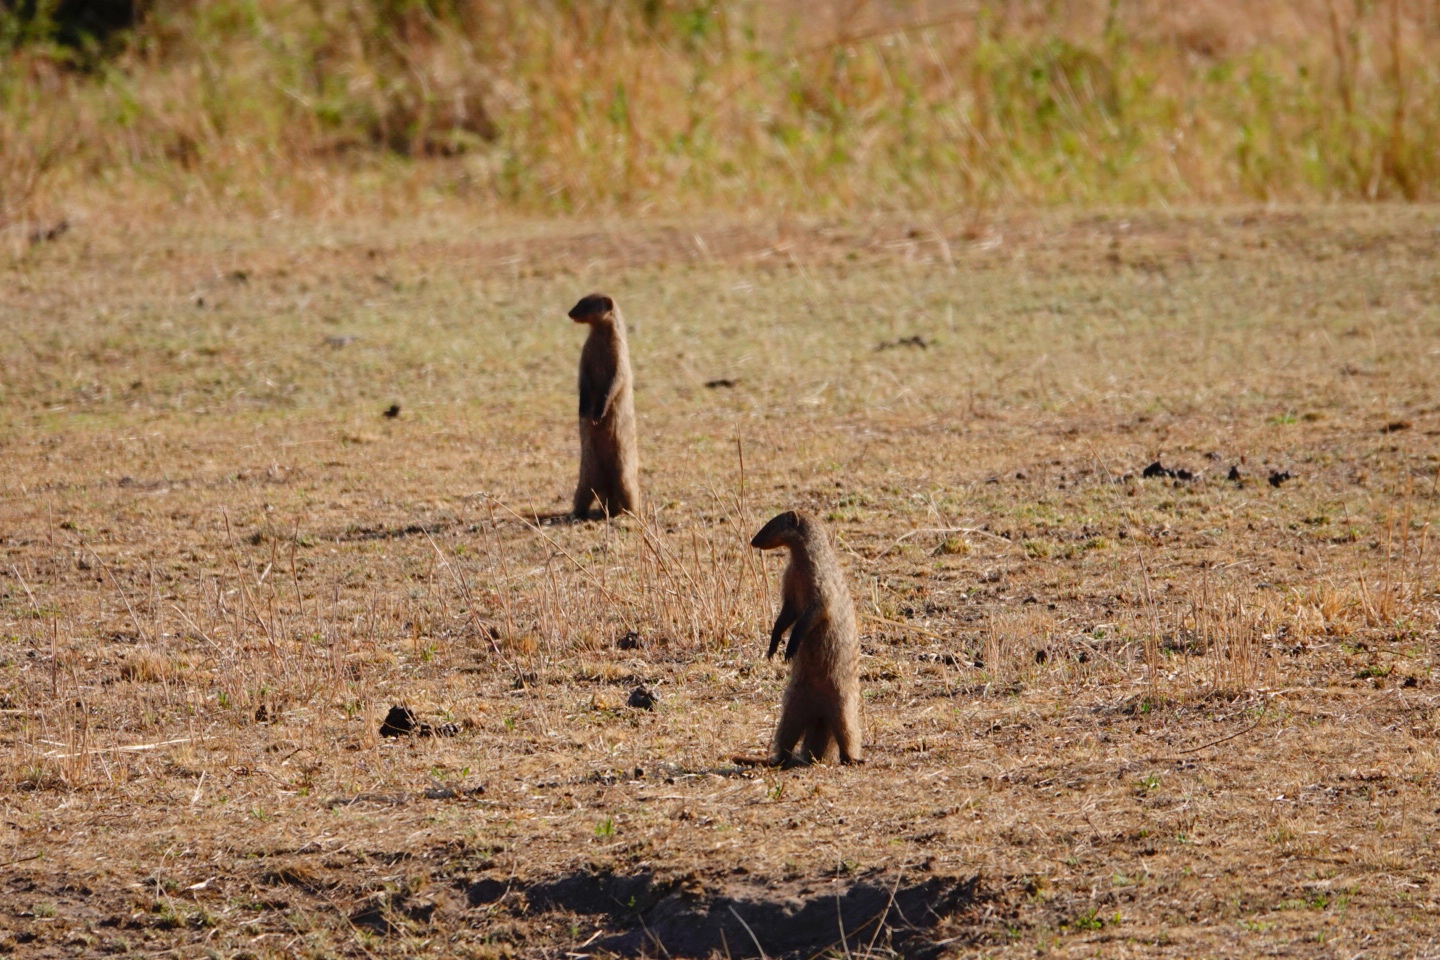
822, 700
609, 464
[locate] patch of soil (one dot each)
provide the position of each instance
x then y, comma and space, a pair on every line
753, 918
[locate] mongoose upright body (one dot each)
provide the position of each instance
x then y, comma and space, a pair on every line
609, 464
822, 700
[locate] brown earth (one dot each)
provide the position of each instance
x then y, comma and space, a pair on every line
1107, 713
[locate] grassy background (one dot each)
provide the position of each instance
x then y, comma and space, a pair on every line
330, 107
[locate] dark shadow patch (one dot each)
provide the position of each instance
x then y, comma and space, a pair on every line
557, 519
916, 341
749, 919
592, 515
49, 234
362, 534
297, 875
392, 915
485, 890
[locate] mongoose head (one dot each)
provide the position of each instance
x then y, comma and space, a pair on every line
784, 530
595, 308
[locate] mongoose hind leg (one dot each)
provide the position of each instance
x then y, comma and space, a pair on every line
611, 503
846, 725
617, 497
795, 718
819, 741
584, 496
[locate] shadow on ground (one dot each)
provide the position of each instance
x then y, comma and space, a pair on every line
752, 919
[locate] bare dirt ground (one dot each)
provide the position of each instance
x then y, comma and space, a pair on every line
1108, 713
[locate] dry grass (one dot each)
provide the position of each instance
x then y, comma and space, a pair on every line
331, 107
1105, 713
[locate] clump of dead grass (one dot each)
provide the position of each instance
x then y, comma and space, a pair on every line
151, 666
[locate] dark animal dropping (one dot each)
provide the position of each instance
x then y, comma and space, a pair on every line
642, 698
399, 722
1158, 469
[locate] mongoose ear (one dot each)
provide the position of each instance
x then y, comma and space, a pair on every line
594, 305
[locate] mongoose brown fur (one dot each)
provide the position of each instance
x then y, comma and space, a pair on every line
822, 700
609, 463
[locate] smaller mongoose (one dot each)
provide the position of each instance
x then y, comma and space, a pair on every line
609, 463
822, 699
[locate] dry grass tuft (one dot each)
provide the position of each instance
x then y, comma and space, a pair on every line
148, 666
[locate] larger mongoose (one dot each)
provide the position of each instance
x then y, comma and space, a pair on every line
609, 464
822, 700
